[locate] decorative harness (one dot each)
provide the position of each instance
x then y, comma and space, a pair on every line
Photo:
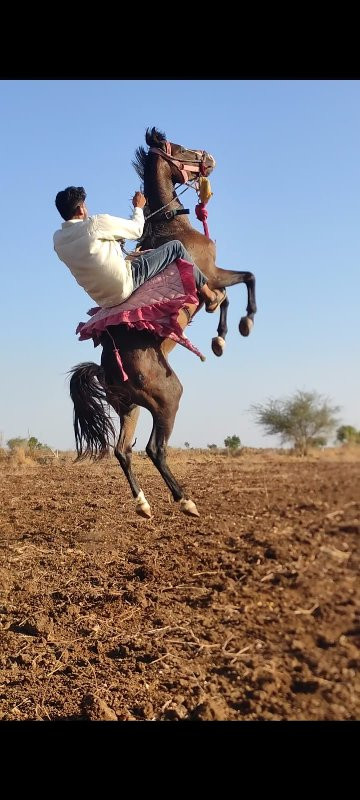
199, 162
203, 188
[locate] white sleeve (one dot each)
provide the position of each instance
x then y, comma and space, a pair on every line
108, 227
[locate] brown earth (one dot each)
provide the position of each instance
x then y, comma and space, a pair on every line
249, 613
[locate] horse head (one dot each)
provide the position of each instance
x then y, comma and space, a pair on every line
185, 164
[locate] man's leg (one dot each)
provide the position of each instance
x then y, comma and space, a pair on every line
149, 264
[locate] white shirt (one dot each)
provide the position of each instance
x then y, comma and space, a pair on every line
91, 250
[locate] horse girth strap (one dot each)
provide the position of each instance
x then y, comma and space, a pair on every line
185, 316
187, 313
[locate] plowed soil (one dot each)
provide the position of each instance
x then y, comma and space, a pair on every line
251, 612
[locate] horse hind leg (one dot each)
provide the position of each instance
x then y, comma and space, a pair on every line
163, 423
123, 453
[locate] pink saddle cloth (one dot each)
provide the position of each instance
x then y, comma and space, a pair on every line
154, 307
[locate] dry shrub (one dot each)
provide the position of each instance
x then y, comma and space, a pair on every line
20, 459
67, 456
346, 452
237, 452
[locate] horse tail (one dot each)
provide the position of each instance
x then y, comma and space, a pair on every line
92, 424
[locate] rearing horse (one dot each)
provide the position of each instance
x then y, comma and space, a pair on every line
161, 168
151, 382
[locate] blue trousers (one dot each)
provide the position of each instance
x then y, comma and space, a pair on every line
149, 264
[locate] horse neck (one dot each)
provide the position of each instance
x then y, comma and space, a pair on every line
158, 186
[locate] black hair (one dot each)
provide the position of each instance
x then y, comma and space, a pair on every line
69, 200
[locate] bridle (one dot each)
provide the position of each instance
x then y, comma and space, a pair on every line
185, 166
196, 165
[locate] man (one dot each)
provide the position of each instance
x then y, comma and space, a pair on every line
90, 247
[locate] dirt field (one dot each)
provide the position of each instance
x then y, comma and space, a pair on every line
251, 612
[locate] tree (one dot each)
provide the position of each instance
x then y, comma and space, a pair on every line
187, 444
232, 443
33, 443
16, 442
305, 419
347, 434
30, 444
212, 446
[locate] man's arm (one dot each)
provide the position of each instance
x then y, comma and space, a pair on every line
119, 228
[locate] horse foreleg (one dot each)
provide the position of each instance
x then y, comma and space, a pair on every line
221, 279
123, 453
218, 342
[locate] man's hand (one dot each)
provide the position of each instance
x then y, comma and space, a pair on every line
139, 201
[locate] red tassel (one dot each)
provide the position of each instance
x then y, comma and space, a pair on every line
124, 376
202, 215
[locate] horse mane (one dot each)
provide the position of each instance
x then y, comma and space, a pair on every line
139, 161
153, 138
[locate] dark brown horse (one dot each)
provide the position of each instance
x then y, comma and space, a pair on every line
160, 170
151, 382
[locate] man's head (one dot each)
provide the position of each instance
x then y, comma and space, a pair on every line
70, 203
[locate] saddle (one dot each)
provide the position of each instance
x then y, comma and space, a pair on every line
163, 305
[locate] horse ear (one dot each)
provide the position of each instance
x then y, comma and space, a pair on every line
153, 137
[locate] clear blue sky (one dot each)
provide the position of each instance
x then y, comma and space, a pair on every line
286, 205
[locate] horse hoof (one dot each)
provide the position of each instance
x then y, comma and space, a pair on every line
144, 511
142, 506
218, 345
188, 507
245, 326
